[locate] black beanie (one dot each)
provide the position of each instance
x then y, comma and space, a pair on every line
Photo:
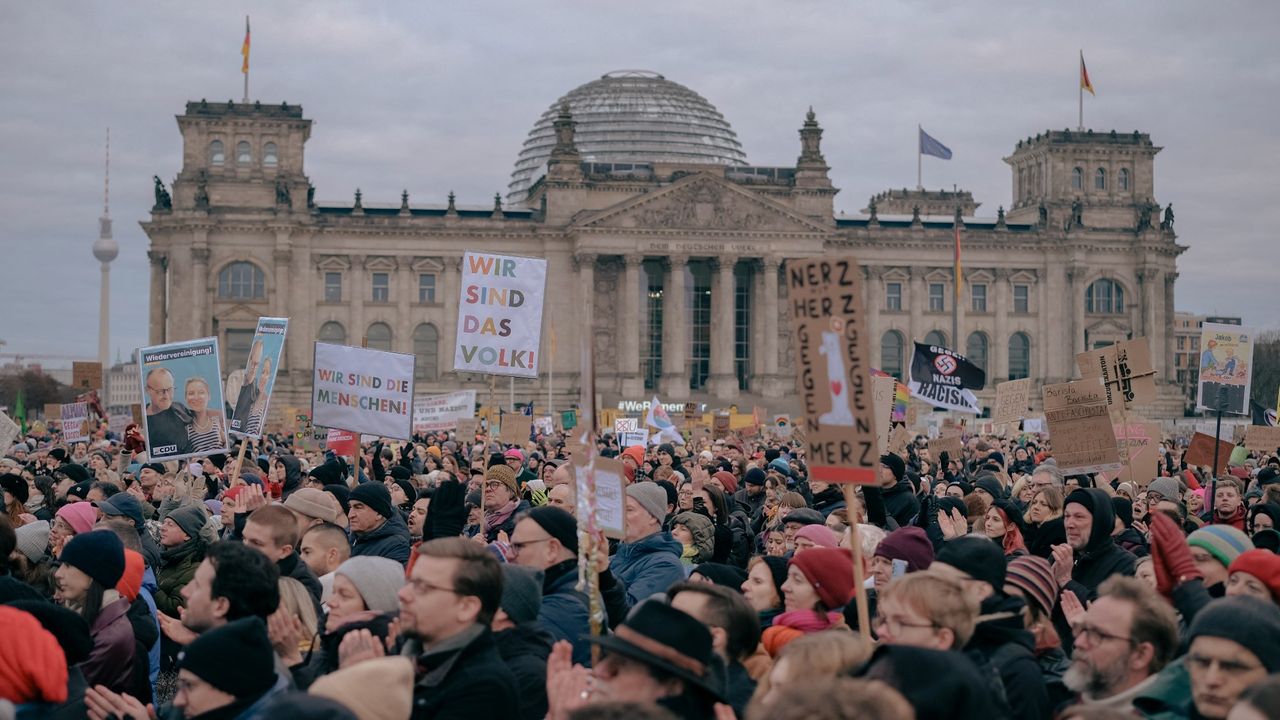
895, 464
343, 493
990, 484
376, 496
98, 554
559, 524
1251, 622
16, 486
410, 492
236, 658
754, 476
977, 557
400, 472
778, 569
1123, 509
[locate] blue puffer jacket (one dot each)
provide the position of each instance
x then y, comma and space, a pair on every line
391, 540
565, 612
648, 566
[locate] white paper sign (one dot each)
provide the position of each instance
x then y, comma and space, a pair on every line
75, 421
367, 391
634, 437
610, 500
625, 425
500, 315
433, 413
9, 431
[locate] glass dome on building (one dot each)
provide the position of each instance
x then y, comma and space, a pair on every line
631, 116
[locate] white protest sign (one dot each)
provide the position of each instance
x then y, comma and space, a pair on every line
634, 437
367, 391
75, 422
500, 314
625, 425
9, 432
433, 413
607, 477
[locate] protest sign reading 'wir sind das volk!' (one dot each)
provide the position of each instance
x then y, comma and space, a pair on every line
500, 315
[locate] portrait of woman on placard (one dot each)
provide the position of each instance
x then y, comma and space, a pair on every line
258, 412
205, 428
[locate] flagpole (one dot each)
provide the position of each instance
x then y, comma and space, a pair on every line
919, 160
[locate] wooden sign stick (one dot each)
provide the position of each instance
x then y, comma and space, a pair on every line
855, 545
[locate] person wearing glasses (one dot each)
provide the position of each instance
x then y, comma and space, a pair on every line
167, 421
1122, 642
925, 610
546, 539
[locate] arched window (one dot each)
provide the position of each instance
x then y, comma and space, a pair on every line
332, 333
217, 153
1104, 297
379, 336
891, 353
270, 156
1124, 178
1019, 356
936, 337
975, 348
242, 281
1077, 179
426, 351
244, 155
1100, 179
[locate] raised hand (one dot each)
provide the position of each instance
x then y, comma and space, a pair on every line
1063, 562
358, 646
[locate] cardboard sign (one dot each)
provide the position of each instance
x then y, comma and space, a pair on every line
1256, 437
1139, 446
259, 379
75, 422
691, 411
433, 413
882, 392
500, 315
1226, 368
720, 425
832, 369
52, 411
9, 431
86, 375
1080, 427
363, 390
182, 386
899, 439
467, 428
516, 429
600, 482
1200, 452
1013, 398
1125, 370
913, 414
950, 443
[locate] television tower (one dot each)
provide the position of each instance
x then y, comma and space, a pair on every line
105, 250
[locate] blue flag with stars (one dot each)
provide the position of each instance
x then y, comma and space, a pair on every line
929, 146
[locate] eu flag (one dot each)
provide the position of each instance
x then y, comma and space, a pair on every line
929, 146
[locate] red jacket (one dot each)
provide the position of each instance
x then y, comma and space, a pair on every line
110, 662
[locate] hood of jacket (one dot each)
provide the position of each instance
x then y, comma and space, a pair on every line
1098, 503
1000, 623
523, 640
292, 472
659, 542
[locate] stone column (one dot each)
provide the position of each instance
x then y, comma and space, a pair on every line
355, 302
873, 298
1170, 279
723, 382
402, 291
586, 266
632, 303
1146, 276
200, 286
769, 268
675, 331
158, 322
447, 294
918, 296
1075, 287
998, 350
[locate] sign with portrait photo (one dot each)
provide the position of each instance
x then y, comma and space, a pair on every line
250, 409
183, 415
1226, 368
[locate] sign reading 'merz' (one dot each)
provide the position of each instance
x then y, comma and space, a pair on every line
831, 345
500, 314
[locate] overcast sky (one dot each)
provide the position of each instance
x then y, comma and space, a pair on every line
437, 96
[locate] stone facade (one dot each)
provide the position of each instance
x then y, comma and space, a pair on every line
673, 272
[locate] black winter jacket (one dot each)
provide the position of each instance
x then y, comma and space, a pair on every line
1009, 648
390, 540
524, 649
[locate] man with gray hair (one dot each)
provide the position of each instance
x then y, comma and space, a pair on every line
648, 559
1045, 475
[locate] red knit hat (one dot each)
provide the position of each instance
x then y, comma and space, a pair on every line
727, 479
32, 665
830, 571
131, 582
1262, 564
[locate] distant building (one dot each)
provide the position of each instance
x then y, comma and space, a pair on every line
123, 387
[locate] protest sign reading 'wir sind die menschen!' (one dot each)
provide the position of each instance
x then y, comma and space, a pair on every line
500, 315
367, 391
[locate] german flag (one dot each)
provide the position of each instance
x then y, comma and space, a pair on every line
245, 50
1084, 73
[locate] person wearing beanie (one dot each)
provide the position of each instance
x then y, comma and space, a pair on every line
522, 639
750, 496
1255, 573
312, 507
230, 668
366, 583
811, 536
632, 457
502, 501
1089, 556
32, 540
71, 519
33, 668
989, 486
819, 584
378, 689
763, 586
403, 494
827, 497
899, 496
91, 566
376, 527
648, 559
1213, 548
125, 505
910, 546
1165, 488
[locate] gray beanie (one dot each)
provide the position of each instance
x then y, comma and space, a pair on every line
651, 497
377, 579
33, 539
1167, 488
190, 519
521, 593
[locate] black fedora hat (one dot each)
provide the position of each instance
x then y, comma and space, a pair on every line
663, 637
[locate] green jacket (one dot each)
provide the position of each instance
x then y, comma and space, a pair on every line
177, 568
1170, 697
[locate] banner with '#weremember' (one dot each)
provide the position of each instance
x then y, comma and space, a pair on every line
366, 391
500, 315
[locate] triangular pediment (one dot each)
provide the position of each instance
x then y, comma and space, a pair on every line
238, 314
702, 202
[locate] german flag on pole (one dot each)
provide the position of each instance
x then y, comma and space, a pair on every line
1084, 73
245, 50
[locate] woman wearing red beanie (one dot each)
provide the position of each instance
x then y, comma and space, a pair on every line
1256, 573
819, 584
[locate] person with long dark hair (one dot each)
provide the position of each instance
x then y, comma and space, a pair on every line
92, 564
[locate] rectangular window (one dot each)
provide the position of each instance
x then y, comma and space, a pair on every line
652, 349
381, 287
978, 292
1177, 360
937, 297
1021, 295
236, 352
699, 326
333, 287
426, 288
1182, 342
893, 296
742, 327
1195, 343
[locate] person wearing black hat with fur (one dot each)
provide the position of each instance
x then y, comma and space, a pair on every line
659, 655
376, 526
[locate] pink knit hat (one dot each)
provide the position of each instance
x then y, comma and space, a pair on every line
819, 535
80, 516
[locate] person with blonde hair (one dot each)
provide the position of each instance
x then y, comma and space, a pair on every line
296, 603
926, 610
812, 657
1044, 527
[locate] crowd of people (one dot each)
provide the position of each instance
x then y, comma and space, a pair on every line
453, 578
